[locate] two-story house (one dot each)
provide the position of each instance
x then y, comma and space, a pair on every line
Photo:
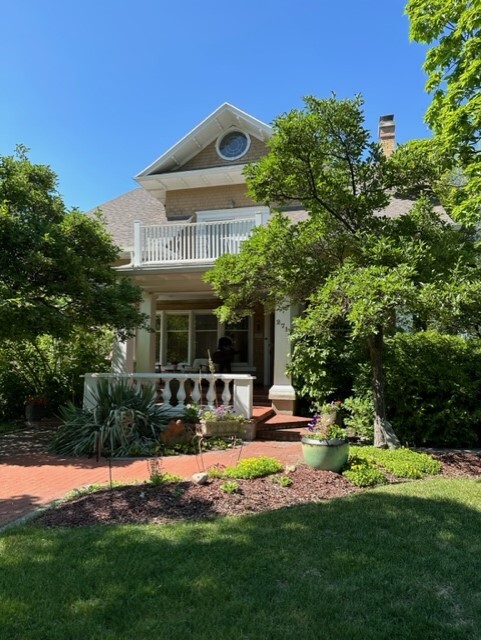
192, 207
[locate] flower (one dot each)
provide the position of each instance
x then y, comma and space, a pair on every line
330, 407
191, 414
319, 429
221, 413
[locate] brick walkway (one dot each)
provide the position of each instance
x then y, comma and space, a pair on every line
30, 477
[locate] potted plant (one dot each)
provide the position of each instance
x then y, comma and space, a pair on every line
224, 421
325, 446
329, 411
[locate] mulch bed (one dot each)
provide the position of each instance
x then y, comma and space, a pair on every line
186, 501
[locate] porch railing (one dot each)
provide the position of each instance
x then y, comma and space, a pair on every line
189, 242
181, 389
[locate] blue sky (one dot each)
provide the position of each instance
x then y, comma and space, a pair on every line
99, 89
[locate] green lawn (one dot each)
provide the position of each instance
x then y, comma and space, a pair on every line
401, 561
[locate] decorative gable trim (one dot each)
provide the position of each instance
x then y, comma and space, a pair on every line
220, 121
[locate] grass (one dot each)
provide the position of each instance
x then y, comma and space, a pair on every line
394, 563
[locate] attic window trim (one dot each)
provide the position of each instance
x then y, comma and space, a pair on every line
229, 132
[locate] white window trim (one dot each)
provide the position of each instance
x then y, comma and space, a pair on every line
220, 334
226, 133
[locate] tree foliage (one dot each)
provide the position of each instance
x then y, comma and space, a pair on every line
55, 265
354, 268
453, 65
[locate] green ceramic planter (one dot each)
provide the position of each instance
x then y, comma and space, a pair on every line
328, 455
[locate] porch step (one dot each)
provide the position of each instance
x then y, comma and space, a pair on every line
272, 426
261, 413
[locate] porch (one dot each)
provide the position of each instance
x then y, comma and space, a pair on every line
190, 242
179, 390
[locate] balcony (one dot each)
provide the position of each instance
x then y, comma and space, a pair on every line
192, 243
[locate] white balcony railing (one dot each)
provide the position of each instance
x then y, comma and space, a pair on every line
189, 242
181, 389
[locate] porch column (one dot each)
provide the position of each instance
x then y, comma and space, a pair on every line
145, 343
123, 356
282, 392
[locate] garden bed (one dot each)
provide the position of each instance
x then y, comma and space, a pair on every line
186, 501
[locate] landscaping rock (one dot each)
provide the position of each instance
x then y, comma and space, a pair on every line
200, 478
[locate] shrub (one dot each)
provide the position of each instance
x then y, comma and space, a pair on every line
124, 418
51, 368
433, 389
363, 473
402, 463
249, 468
359, 416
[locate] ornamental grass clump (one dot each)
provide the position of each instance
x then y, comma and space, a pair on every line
123, 419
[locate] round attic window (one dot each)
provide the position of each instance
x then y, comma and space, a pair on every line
233, 145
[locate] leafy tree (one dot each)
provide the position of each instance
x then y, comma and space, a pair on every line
55, 265
353, 268
453, 65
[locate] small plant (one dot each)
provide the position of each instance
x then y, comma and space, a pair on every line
363, 473
221, 413
283, 481
160, 478
231, 486
320, 430
367, 466
253, 468
402, 463
330, 407
191, 414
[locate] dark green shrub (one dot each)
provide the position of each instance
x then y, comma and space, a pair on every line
359, 416
433, 389
124, 418
50, 368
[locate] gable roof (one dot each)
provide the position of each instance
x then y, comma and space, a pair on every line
221, 120
120, 214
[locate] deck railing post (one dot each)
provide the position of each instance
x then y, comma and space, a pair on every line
137, 243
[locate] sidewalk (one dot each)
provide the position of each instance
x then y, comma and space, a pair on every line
30, 477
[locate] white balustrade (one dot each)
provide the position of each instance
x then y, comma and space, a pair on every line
181, 389
189, 242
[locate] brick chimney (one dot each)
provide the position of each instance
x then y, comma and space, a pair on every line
387, 138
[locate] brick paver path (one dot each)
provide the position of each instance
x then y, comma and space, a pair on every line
31, 477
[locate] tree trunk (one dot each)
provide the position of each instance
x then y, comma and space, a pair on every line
384, 435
